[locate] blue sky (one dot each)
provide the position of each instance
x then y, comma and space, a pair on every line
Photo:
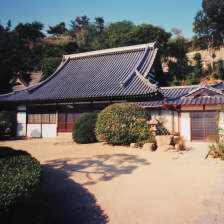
168, 14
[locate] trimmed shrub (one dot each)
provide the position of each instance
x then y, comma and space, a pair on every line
145, 135
121, 123
20, 177
7, 123
83, 130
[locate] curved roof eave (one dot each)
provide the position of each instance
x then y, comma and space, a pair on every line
110, 50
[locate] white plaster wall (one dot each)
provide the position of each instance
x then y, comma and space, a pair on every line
49, 130
21, 107
221, 123
21, 117
192, 107
166, 119
176, 121
21, 130
211, 107
185, 126
21, 124
34, 130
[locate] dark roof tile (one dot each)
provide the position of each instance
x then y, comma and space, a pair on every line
96, 75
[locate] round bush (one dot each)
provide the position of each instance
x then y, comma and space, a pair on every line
7, 123
83, 130
121, 123
21, 177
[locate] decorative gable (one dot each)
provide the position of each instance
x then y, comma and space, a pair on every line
204, 91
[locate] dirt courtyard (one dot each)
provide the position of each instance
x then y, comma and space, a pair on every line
98, 183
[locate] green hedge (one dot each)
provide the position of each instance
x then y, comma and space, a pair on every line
7, 123
83, 130
121, 123
20, 177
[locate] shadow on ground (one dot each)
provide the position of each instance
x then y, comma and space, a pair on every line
71, 202
67, 202
62, 201
99, 167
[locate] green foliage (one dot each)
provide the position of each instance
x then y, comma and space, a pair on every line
217, 150
49, 66
20, 177
179, 70
7, 123
147, 33
29, 32
9, 61
162, 131
118, 124
214, 11
118, 33
57, 30
177, 48
142, 130
216, 76
180, 143
83, 130
99, 21
220, 68
197, 58
26, 49
208, 25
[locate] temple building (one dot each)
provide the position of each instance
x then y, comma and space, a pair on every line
90, 81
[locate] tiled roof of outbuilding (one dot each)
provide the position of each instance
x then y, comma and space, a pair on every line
186, 98
112, 72
169, 93
198, 100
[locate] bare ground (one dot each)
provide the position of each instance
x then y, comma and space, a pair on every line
98, 183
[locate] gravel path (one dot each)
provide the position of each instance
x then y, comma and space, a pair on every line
98, 183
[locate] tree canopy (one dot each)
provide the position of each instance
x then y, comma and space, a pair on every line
57, 30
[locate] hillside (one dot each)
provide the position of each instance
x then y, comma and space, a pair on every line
205, 55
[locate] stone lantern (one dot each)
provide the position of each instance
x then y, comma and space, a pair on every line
153, 122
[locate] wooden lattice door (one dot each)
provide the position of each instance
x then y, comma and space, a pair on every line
203, 126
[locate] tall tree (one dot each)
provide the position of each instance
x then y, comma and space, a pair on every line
214, 10
209, 25
25, 37
177, 48
99, 21
118, 33
6, 58
57, 30
147, 33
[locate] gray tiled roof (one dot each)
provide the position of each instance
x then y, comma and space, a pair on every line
186, 100
169, 93
26, 80
174, 92
95, 75
197, 100
158, 103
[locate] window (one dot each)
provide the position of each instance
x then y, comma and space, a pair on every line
45, 114
203, 126
44, 118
